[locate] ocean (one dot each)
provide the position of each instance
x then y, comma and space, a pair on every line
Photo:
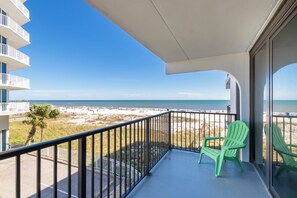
159, 104
279, 105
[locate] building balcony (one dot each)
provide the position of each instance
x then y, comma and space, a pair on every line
16, 10
228, 81
17, 36
12, 108
156, 156
13, 58
11, 82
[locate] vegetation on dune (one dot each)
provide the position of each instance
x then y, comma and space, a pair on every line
37, 118
55, 129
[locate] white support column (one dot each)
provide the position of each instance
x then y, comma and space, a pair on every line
235, 64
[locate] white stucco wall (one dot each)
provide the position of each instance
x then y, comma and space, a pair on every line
235, 64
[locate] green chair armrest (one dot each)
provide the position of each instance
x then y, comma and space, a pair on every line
292, 145
286, 153
213, 138
234, 147
210, 138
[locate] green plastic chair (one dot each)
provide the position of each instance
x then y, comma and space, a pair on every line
237, 133
282, 148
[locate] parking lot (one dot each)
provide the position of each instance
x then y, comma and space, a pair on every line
28, 178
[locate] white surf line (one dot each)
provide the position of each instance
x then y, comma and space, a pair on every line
61, 191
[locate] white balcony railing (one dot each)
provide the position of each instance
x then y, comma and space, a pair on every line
14, 108
20, 5
15, 54
10, 23
14, 81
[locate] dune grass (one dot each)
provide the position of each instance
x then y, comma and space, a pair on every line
55, 129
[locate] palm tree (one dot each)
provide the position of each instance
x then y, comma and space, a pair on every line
37, 117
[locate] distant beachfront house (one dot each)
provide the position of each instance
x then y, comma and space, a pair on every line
13, 14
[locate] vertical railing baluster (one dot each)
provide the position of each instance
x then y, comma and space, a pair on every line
114, 163
18, 177
134, 153
142, 149
181, 129
138, 154
158, 137
55, 171
195, 132
69, 169
214, 128
101, 165
290, 133
120, 194
225, 124
204, 125
209, 126
191, 140
156, 141
93, 167
38, 174
126, 159
147, 150
220, 130
130, 157
170, 130
177, 133
199, 131
82, 167
186, 132
108, 163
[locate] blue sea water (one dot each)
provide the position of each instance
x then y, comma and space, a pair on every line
278, 105
160, 104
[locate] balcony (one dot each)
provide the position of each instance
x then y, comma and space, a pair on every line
17, 36
11, 82
16, 10
116, 161
228, 81
14, 108
14, 58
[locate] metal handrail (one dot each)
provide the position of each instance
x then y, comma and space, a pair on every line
34, 147
142, 143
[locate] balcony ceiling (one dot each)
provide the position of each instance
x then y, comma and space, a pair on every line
178, 30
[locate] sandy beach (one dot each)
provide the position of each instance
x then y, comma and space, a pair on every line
96, 115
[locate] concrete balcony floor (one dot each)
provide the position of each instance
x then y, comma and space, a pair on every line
178, 174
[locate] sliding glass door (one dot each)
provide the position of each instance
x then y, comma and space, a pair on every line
284, 114
274, 103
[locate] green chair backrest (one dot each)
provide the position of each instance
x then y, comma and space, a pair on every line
236, 135
280, 145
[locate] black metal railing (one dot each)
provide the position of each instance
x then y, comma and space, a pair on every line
288, 126
111, 161
189, 128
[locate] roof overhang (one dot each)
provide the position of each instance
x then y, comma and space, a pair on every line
178, 30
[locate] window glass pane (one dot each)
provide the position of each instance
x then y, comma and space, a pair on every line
284, 129
260, 108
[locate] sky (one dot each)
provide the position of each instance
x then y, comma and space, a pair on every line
76, 53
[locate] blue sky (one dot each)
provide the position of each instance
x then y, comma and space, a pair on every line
76, 53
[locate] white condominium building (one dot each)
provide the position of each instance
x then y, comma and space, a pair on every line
13, 14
